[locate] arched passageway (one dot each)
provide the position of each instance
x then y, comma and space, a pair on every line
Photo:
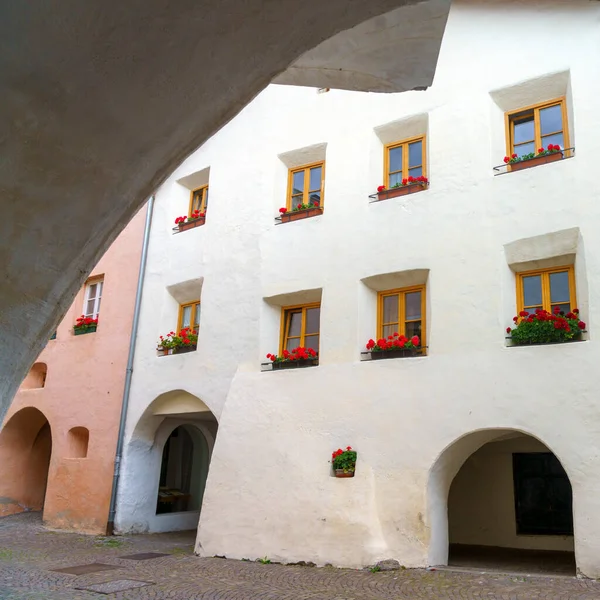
25, 452
501, 499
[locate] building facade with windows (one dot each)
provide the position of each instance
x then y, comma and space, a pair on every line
58, 440
424, 222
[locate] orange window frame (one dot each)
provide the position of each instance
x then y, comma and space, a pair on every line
306, 191
547, 303
405, 157
401, 293
195, 305
202, 194
534, 110
286, 313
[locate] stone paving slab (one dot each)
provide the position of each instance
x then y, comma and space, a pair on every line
28, 552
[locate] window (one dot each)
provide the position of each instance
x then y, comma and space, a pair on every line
189, 315
403, 312
546, 289
537, 126
305, 185
199, 200
93, 296
403, 160
543, 495
301, 326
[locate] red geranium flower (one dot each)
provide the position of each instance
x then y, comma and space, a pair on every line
506, 159
283, 210
508, 330
415, 340
581, 325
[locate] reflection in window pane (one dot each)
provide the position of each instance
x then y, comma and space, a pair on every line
298, 182
525, 149
395, 159
292, 343
295, 324
416, 172
390, 309
415, 154
313, 317
413, 305
90, 308
396, 178
563, 307
413, 328
524, 130
390, 330
186, 316
556, 139
315, 179
312, 341
551, 119
314, 199
297, 200
559, 287
532, 290
92, 292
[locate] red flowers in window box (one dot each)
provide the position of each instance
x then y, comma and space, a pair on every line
544, 155
344, 462
301, 211
543, 327
178, 343
410, 185
85, 325
298, 357
196, 219
394, 346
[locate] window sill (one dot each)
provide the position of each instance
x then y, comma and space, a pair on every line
534, 162
294, 364
388, 354
296, 215
404, 190
181, 350
189, 225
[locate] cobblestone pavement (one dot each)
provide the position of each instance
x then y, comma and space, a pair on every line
28, 552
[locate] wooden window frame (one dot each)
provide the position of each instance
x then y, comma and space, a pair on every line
405, 157
182, 307
288, 310
86, 293
545, 277
535, 110
306, 169
204, 189
402, 310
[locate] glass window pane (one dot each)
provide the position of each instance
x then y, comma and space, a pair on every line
551, 119
313, 318
311, 341
563, 307
559, 287
524, 130
98, 306
92, 291
89, 311
297, 200
205, 198
390, 309
416, 172
315, 179
525, 149
292, 343
390, 330
413, 305
395, 159
555, 139
532, 290
298, 182
100, 286
314, 199
294, 324
186, 316
413, 328
395, 178
197, 316
415, 154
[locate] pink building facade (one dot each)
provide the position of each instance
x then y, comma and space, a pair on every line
58, 440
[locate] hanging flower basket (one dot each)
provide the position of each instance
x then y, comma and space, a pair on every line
395, 346
297, 358
541, 157
543, 327
344, 462
302, 211
408, 186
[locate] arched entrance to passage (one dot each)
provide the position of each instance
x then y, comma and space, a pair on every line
501, 499
25, 452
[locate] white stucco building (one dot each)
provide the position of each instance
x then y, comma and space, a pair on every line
495, 421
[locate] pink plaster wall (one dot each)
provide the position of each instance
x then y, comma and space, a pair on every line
83, 388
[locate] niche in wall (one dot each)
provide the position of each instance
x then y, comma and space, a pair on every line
77, 442
36, 378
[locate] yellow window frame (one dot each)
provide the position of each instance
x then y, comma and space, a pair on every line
182, 307
201, 206
547, 304
405, 157
286, 313
306, 191
534, 110
401, 293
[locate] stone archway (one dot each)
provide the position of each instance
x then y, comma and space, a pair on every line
500, 498
25, 453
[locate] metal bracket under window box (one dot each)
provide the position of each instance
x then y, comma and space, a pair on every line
399, 353
534, 162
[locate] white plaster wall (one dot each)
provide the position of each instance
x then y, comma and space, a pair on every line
481, 502
277, 429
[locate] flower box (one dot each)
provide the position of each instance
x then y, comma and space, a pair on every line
190, 224
176, 350
295, 215
296, 364
536, 161
340, 473
84, 330
398, 353
344, 462
403, 190
543, 327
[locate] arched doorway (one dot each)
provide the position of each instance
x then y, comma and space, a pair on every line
25, 452
501, 499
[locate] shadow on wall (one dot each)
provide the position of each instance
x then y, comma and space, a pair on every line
25, 452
